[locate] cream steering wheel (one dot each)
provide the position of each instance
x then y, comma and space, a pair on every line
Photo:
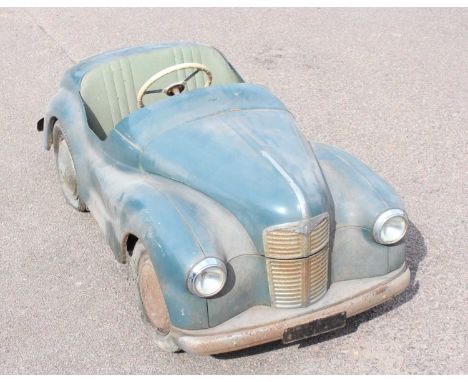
177, 87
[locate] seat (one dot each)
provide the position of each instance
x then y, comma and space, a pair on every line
109, 90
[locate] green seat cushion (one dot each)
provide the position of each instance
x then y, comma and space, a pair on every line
109, 90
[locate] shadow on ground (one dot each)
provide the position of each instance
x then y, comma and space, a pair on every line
415, 253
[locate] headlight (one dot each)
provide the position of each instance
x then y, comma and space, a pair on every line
390, 227
207, 278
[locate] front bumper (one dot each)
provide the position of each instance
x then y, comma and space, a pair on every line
262, 324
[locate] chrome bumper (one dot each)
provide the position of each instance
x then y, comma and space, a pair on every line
262, 324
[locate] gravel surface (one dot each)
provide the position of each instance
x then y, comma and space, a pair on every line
389, 86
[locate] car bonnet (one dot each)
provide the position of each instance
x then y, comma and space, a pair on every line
237, 144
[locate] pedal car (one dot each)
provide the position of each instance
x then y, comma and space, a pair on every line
237, 229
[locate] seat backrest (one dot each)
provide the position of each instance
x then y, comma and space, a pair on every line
109, 90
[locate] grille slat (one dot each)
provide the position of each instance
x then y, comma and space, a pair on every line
297, 262
289, 243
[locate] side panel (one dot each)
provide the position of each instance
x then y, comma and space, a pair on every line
122, 203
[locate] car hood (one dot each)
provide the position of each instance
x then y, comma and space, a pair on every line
239, 145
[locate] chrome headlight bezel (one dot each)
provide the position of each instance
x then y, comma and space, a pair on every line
383, 219
202, 267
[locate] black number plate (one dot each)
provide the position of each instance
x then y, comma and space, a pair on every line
314, 328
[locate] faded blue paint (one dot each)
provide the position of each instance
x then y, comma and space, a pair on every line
359, 196
203, 173
247, 286
221, 143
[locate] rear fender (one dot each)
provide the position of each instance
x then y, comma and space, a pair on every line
66, 107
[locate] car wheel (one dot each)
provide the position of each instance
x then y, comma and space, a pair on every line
150, 297
66, 170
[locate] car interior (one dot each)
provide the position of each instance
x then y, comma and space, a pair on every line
109, 90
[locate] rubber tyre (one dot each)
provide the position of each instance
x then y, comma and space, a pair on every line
150, 298
66, 169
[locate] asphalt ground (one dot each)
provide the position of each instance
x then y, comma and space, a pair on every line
389, 86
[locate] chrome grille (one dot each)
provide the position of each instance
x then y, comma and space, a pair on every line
317, 275
286, 286
297, 261
318, 238
294, 240
284, 244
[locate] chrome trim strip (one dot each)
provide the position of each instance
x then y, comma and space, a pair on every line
292, 184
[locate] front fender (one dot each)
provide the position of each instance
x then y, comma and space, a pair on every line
220, 234
180, 226
149, 215
359, 196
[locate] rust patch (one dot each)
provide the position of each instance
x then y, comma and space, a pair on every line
381, 289
152, 296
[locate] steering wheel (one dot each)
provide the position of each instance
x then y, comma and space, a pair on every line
177, 87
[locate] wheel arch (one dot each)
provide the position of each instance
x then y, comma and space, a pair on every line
49, 124
127, 245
